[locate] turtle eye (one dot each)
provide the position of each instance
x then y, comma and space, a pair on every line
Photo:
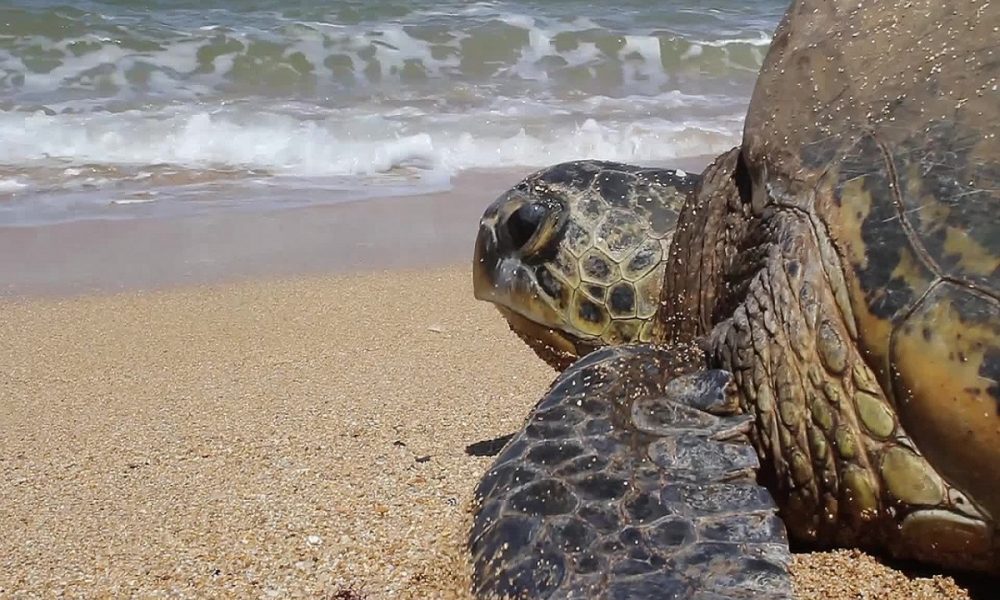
524, 223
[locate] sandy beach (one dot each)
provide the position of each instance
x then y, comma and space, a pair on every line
295, 428
239, 352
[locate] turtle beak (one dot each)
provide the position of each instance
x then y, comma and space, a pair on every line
497, 268
486, 259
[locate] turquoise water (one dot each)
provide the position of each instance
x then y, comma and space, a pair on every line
121, 103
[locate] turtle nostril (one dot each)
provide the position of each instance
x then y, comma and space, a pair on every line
524, 222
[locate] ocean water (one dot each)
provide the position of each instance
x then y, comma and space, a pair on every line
127, 108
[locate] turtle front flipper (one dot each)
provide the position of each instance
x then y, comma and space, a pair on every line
632, 478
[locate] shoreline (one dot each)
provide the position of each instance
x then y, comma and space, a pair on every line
396, 232
109, 256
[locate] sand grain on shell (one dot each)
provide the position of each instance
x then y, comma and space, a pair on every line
271, 439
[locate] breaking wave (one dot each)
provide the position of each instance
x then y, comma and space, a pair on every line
159, 92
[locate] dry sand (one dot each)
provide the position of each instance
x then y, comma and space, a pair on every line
295, 438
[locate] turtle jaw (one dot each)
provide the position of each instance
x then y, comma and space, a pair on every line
554, 347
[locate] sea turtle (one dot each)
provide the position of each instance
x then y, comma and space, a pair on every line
816, 349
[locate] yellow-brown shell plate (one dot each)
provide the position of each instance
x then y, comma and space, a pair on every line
882, 121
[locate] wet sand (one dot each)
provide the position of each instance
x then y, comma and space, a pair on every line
116, 255
270, 427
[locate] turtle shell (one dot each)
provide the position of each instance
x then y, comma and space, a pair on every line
881, 122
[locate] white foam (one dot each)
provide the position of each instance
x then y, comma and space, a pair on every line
128, 201
355, 143
637, 143
11, 185
694, 51
760, 39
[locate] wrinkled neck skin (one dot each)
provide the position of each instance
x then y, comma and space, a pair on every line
709, 235
757, 280
556, 349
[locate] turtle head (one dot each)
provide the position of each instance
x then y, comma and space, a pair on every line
574, 255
